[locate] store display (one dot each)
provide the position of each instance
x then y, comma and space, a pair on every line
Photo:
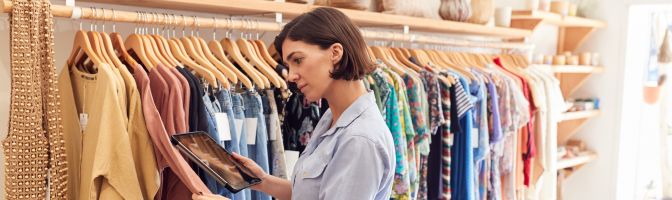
482, 11
455, 10
465, 124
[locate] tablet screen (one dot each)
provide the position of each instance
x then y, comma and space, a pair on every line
200, 147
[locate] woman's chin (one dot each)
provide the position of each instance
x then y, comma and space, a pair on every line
312, 98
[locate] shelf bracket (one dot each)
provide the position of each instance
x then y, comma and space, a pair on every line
528, 24
570, 82
571, 38
567, 129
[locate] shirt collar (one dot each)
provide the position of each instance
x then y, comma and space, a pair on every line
353, 112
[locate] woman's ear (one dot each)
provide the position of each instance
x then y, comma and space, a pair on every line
336, 50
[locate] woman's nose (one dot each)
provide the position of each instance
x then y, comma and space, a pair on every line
292, 76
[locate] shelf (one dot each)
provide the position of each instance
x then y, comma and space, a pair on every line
554, 19
582, 159
290, 10
573, 31
579, 115
576, 69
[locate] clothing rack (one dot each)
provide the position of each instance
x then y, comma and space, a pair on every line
172, 20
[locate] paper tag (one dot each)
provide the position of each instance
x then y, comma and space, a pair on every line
223, 127
239, 127
290, 159
274, 126
83, 121
251, 125
474, 138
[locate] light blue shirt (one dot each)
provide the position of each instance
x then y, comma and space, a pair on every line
354, 159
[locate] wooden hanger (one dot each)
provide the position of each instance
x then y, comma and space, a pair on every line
271, 67
153, 47
248, 52
164, 49
233, 51
107, 42
81, 42
385, 58
190, 51
176, 50
218, 51
400, 56
98, 46
118, 46
207, 53
371, 55
261, 46
198, 50
134, 43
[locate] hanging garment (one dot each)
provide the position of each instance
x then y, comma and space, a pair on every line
462, 174
241, 132
257, 137
225, 115
35, 138
141, 143
277, 155
167, 157
99, 154
299, 121
401, 183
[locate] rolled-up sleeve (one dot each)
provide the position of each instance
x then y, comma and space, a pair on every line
356, 171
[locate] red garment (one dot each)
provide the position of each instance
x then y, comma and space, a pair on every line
530, 148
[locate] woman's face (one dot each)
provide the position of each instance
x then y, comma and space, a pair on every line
310, 66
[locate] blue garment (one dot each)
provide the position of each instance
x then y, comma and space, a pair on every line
224, 105
239, 115
353, 159
496, 137
478, 90
462, 174
200, 118
259, 150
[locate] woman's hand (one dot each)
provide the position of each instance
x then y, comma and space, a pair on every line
208, 197
253, 167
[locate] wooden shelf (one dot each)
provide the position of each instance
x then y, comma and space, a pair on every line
582, 159
579, 115
290, 10
573, 31
576, 69
553, 19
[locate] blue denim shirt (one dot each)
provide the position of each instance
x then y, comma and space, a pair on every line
354, 159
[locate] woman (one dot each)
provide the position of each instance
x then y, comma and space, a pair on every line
350, 154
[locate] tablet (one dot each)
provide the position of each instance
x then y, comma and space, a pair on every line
200, 148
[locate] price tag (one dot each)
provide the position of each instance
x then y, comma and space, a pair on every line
223, 127
251, 125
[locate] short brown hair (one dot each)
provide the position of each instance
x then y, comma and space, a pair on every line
324, 27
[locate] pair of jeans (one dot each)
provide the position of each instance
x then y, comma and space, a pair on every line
259, 150
239, 115
224, 105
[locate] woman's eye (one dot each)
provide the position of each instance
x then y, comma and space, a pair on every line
298, 60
